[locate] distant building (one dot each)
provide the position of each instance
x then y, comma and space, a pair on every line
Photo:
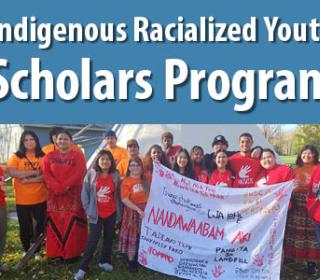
10, 134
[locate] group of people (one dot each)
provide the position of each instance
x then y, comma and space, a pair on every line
55, 192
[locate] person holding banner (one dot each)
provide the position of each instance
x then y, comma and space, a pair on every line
245, 167
134, 195
183, 165
272, 173
63, 171
154, 154
101, 200
24, 167
197, 161
221, 173
3, 220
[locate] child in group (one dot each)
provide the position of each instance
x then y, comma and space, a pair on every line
198, 163
221, 173
101, 200
3, 220
134, 194
183, 165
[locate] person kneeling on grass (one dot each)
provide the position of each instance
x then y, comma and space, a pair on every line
134, 195
3, 220
101, 200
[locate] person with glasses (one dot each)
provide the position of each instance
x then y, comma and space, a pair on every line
134, 195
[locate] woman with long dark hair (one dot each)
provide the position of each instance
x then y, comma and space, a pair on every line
300, 243
63, 171
198, 162
101, 200
134, 195
154, 154
182, 164
24, 167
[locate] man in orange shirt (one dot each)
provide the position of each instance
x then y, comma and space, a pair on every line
133, 152
117, 152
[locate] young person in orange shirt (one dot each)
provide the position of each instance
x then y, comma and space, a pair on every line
133, 152
3, 220
53, 139
134, 194
24, 167
117, 152
63, 171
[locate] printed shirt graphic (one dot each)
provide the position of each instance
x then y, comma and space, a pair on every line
27, 194
105, 196
2, 194
222, 179
278, 174
246, 169
132, 188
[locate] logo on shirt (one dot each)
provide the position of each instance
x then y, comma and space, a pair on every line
244, 170
262, 181
137, 188
222, 184
103, 194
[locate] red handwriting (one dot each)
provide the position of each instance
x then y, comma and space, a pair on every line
161, 255
143, 257
172, 220
280, 194
217, 271
242, 237
258, 260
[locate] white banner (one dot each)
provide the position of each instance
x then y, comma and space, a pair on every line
197, 231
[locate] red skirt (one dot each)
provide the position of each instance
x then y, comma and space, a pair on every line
130, 231
300, 243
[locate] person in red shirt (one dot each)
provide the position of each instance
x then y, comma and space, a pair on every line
154, 154
169, 150
63, 171
134, 195
221, 173
245, 167
3, 219
272, 173
101, 201
197, 161
314, 193
183, 165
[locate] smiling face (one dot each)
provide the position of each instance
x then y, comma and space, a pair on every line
104, 162
197, 156
133, 151
267, 160
221, 160
182, 160
156, 154
135, 168
307, 157
167, 142
219, 146
29, 143
64, 142
245, 144
111, 141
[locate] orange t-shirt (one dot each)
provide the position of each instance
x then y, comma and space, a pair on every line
122, 166
27, 194
118, 153
304, 174
51, 147
132, 188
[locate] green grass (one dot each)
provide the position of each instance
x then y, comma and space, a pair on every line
10, 199
289, 160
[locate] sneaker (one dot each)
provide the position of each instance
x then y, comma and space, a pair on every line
311, 268
106, 266
4, 267
133, 266
79, 275
37, 256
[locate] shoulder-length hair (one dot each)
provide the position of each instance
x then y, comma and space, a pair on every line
193, 150
214, 164
188, 171
96, 166
21, 153
145, 184
147, 161
313, 150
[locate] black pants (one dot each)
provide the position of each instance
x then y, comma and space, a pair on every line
107, 225
26, 214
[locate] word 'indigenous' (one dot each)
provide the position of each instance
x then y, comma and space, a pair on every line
245, 86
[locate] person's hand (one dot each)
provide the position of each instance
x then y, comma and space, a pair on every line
141, 213
296, 185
